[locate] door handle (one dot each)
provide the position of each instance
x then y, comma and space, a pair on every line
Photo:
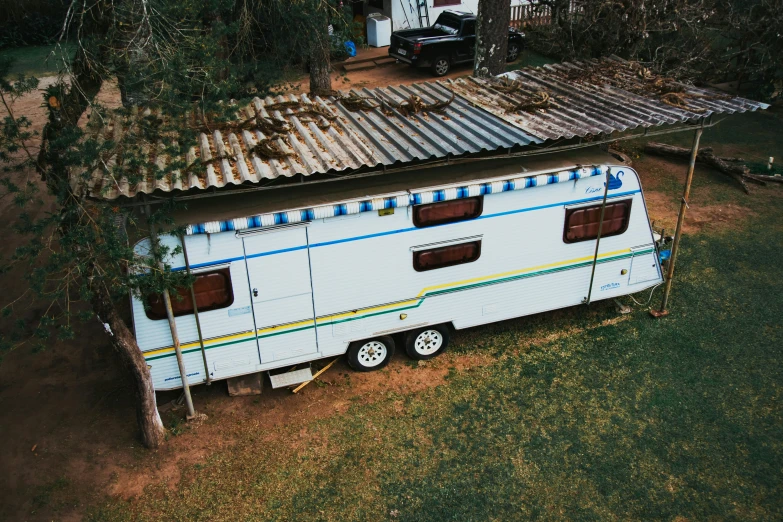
255, 292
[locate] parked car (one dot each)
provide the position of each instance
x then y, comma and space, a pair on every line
450, 41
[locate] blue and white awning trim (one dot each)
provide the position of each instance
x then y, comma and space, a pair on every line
409, 199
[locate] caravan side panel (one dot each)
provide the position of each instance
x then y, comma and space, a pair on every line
231, 347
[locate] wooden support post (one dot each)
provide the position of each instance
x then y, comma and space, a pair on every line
680, 220
173, 327
195, 311
598, 238
178, 352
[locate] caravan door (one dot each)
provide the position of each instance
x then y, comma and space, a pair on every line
278, 268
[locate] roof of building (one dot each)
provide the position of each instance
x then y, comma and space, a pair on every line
394, 126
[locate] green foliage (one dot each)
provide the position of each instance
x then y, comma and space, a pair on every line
31, 22
178, 65
714, 40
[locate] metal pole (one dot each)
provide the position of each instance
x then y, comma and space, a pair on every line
195, 310
174, 336
680, 220
598, 238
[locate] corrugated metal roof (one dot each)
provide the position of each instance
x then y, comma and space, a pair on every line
591, 98
352, 140
585, 98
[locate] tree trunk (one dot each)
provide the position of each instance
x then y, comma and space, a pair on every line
491, 37
152, 431
320, 80
560, 12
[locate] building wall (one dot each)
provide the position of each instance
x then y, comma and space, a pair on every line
404, 15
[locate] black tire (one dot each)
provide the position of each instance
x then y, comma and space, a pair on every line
514, 50
363, 355
441, 66
428, 342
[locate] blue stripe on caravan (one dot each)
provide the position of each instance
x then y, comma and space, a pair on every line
368, 236
402, 230
541, 207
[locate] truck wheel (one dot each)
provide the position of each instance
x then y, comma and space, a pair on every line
426, 343
370, 354
441, 66
513, 52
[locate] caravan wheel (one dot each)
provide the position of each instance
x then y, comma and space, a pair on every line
426, 343
370, 354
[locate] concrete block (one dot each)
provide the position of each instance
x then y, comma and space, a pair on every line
245, 385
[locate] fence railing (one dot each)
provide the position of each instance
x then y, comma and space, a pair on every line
537, 14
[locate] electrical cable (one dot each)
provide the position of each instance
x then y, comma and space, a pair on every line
648, 300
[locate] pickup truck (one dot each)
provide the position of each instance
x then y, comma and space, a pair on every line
450, 41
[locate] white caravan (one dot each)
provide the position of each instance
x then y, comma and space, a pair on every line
296, 274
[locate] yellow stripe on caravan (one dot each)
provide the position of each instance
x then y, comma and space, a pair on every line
375, 309
196, 344
369, 310
284, 326
522, 271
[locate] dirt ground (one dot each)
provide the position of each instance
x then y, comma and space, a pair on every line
392, 74
66, 414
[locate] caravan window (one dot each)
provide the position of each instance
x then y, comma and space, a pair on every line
213, 291
581, 224
442, 257
443, 212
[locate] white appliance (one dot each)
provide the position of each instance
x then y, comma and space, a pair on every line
379, 30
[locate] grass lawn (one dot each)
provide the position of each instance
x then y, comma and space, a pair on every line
578, 415
33, 61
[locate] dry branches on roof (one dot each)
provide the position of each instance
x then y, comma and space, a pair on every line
414, 104
354, 103
521, 101
637, 79
270, 148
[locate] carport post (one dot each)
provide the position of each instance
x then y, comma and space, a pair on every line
680, 220
173, 326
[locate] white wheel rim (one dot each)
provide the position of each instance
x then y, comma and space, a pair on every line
372, 354
513, 52
428, 342
442, 66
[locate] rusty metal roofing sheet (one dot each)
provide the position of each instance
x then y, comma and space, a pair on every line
591, 98
585, 98
352, 140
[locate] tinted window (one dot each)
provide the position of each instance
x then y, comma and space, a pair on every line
581, 224
213, 291
432, 214
470, 28
447, 23
442, 257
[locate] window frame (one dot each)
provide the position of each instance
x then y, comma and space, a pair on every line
225, 271
628, 203
417, 209
419, 252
